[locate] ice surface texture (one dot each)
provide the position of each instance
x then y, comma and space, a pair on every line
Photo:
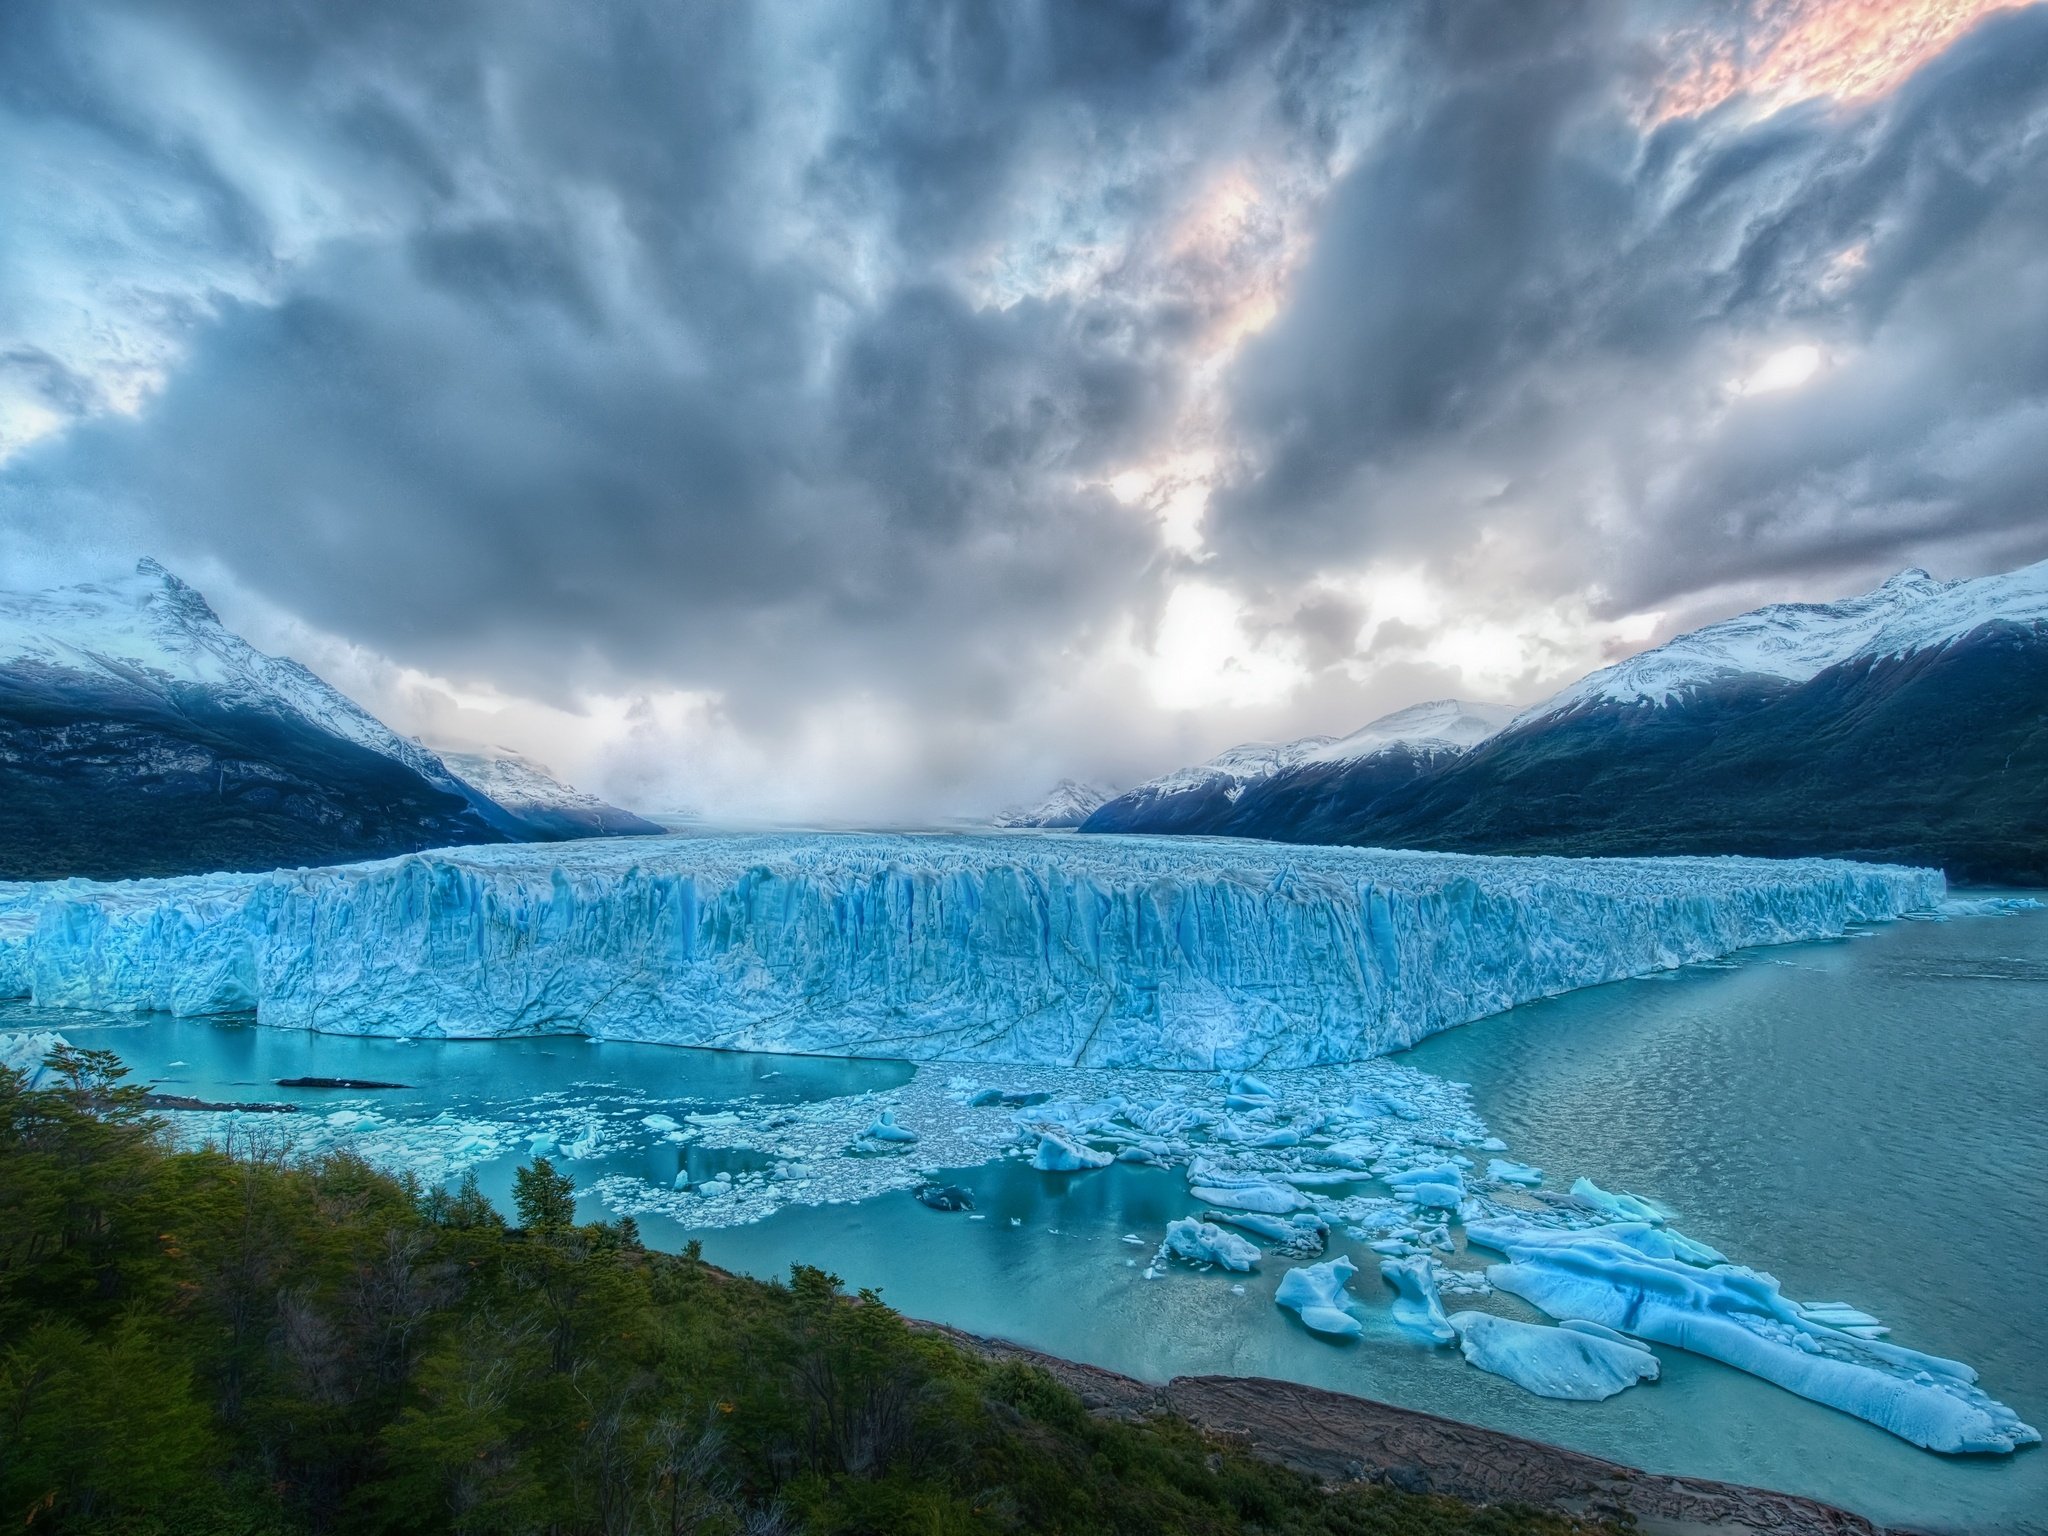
1179, 953
1577, 1362
1624, 1278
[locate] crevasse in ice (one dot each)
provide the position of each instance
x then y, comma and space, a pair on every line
1180, 953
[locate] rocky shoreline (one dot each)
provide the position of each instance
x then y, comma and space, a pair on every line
1342, 1439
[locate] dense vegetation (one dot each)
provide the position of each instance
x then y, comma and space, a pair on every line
192, 1341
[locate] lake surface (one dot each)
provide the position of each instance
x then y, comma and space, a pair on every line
1864, 1119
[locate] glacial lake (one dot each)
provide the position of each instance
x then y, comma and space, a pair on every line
1863, 1118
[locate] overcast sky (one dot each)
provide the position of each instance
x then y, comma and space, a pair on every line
853, 411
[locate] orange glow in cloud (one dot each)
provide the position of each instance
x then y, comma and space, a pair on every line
1793, 50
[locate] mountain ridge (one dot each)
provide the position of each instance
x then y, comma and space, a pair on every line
141, 736
1907, 724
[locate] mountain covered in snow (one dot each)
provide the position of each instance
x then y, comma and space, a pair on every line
542, 802
1069, 803
139, 735
1393, 748
1909, 723
1189, 798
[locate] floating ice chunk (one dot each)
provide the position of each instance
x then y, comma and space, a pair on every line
1379, 1106
1301, 1235
1251, 1086
1417, 1307
1572, 1363
660, 1124
1137, 1155
1621, 1207
1058, 1154
1514, 1173
945, 1197
1986, 906
1246, 1192
1438, 1188
1017, 1096
1316, 1291
1839, 1314
1203, 1242
885, 1128
1739, 1317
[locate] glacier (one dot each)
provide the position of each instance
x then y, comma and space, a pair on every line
1180, 953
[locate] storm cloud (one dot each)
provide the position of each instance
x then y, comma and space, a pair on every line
875, 410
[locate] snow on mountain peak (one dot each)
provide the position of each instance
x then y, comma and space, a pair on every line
1438, 726
150, 630
1068, 804
1794, 642
1237, 766
517, 782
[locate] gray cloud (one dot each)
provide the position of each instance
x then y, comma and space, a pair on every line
782, 352
1522, 313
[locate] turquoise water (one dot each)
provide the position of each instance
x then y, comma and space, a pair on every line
1863, 1118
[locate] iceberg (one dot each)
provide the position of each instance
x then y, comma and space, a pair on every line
1417, 1307
1739, 1317
1576, 1362
1302, 1235
1439, 1188
1316, 1292
1179, 953
1591, 1197
1506, 1171
885, 1128
1058, 1154
1203, 1242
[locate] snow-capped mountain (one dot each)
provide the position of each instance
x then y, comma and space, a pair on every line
1439, 727
1908, 724
139, 735
150, 632
1187, 798
539, 799
1069, 803
1795, 642
1205, 797
1224, 794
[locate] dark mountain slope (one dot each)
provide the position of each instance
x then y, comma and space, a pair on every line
1936, 757
114, 782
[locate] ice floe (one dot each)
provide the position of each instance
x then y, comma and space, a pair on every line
1739, 1317
1417, 1306
1316, 1293
1578, 1362
1203, 1242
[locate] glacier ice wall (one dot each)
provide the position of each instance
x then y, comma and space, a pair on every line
1179, 953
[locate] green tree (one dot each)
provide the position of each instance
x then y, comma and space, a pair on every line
545, 1199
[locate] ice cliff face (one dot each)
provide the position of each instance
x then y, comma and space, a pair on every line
1142, 952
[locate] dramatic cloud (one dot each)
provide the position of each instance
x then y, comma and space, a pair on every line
799, 409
